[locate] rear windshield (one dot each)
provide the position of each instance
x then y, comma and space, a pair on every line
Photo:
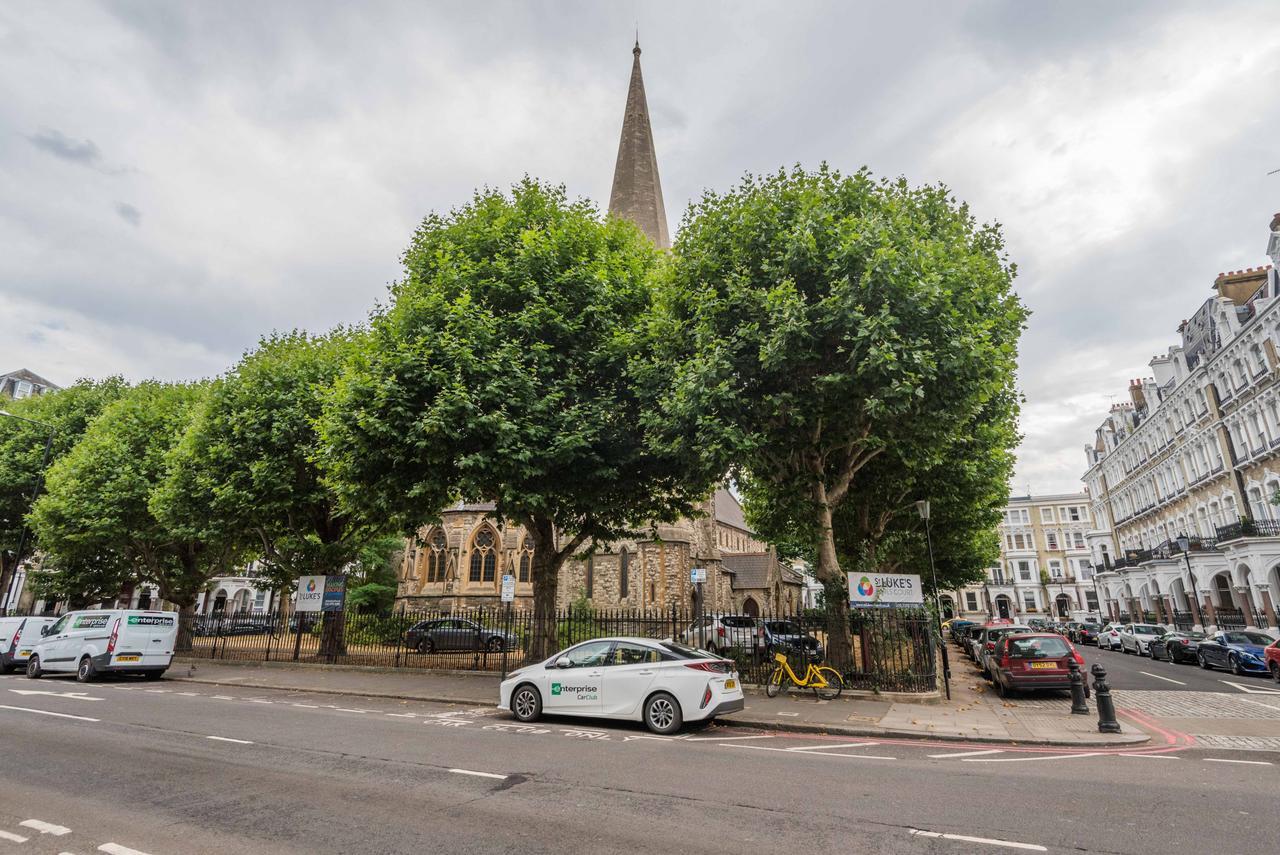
783, 628
681, 651
738, 621
1089, 626
1038, 647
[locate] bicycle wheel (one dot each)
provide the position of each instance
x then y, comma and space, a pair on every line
776, 681
835, 684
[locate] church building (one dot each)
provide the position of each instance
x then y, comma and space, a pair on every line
461, 561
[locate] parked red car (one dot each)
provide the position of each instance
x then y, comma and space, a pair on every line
1271, 655
1033, 661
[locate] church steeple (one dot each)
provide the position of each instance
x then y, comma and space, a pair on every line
637, 192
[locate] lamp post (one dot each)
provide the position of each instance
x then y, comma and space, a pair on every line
922, 507
1184, 543
8, 573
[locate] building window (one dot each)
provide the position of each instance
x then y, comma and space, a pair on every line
1051, 540
1046, 515
1055, 569
484, 557
1073, 514
1091, 600
1024, 571
624, 567
525, 564
1077, 540
436, 556
1029, 600
971, 601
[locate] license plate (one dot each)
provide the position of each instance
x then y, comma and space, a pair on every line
128, 658
730, 684
1044, 665
24, 652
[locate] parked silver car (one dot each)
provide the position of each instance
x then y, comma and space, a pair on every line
1137, 637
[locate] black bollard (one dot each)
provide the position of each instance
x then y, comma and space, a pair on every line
1106, 707
1078, 706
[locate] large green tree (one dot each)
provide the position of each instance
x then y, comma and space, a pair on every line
105, 506
827, 320
67, 413
511, 367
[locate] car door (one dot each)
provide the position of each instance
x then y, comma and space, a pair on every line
628, 673
577, 689
1214, 649
54, 643
448, 634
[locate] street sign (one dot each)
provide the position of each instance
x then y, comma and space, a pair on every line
697, 574
508, 589
885, 589
310, 593
335, 593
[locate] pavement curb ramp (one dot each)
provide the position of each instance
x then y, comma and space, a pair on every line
1128, 741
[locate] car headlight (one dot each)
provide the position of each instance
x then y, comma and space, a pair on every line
1249, 656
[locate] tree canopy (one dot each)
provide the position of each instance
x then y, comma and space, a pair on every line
509, 369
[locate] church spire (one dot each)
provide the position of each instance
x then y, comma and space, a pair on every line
637, 192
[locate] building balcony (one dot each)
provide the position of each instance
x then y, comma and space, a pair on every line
1249, 528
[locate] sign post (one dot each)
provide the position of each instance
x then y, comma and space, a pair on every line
698, 575
508, 597
307, 602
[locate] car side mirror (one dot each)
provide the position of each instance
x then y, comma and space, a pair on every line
563, 662
44, 630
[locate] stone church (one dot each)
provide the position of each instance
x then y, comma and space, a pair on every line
461, 561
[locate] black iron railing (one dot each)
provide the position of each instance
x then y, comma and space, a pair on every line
1249, 528
1229, 618
1183, 621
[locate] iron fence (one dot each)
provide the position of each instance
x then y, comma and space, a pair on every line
1183, 621
1229, 618
887, 649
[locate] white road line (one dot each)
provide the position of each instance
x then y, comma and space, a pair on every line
964, 838
11, 837
229, 739
223, 698
189, 694
259, 701
1244, 762
1166, 679
819, 753
117, 849
813, 748
478, 774
970, 753
306, 706
726, 738
47, 712
343, 709
45, 827
1027, 759
158, 691
390, 714
1153, 756
789, 713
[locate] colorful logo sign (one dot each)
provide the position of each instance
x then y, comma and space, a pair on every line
311, 586
865, 588
555, 688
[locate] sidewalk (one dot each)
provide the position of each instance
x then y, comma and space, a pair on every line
972, 715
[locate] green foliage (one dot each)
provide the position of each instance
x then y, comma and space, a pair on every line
104, 507
249, 458
830, 321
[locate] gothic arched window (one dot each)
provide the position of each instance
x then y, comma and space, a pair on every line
436, 557
484, 557
624, 566
525, 562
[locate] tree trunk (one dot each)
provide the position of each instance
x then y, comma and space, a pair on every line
186, 624
545, 569
835, 587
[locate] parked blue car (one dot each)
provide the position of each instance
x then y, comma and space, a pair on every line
1237, 650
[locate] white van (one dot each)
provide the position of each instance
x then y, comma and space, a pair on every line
18, 635
115, 641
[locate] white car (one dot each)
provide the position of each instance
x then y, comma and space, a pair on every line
662, 683
106, 641
1137, 637
1109, 637
18, 635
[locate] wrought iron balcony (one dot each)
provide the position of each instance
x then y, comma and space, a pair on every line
1249, 528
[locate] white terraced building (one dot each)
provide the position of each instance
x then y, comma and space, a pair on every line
1182, 475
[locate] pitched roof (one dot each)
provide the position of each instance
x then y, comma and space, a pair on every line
637, 192
750, 569
31, 377
729, 511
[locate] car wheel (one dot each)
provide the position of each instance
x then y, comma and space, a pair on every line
495, 645
85, 672
152, 675
526, 703
1275, 671
1005, 691
1234, 664
426, 645
662, 714
1204, 663
33, 668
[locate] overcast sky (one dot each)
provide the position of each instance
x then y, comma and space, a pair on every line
177, 179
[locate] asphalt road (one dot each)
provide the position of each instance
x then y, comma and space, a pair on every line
131, 767
1128, 671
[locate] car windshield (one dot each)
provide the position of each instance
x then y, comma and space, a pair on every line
1248, 638
1147, 629
1090, 626
1038, 647
738, 621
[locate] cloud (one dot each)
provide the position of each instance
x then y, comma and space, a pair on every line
60, 145
129, 214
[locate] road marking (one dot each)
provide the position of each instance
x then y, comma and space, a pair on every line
1252, 690
11, 837
834, 747
45, 827
964, 838
819, 753
306, 706
1153, 756
223, 698
725, 738
478, 774
390, 714
789, 713
1166, 679
343, 709
970, 753
158, 691
117, 849
189, 694
229, 739
259, 701
79, 696
1243, 762
1037, 759
47, 712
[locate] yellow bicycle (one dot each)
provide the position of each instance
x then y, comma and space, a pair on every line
825, 681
